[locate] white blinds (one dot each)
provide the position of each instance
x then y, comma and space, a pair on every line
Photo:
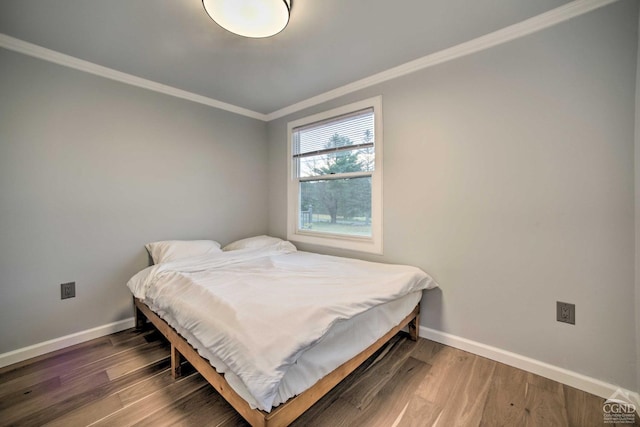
348, 132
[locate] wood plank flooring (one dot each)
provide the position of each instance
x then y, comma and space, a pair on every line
124, 379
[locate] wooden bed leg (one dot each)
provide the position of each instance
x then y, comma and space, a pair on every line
176, 360
414, 326
141, 319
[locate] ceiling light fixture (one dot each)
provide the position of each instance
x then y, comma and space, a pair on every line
250, 18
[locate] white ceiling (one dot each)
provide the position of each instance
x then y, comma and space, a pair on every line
328, 43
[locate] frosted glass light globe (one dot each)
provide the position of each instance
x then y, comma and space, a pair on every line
249, 18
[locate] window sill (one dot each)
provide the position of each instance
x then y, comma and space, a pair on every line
367, 245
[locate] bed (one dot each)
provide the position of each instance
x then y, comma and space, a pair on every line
271, 328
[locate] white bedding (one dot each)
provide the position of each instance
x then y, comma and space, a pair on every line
254, 312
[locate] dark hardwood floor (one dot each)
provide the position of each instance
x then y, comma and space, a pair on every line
123, 379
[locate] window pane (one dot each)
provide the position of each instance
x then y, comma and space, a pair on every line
337, 162
334, 190
336, 206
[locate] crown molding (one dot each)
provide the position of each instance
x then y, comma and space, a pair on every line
504, 35
40, 52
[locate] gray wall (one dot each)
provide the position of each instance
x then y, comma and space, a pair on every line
509, 176
90, 170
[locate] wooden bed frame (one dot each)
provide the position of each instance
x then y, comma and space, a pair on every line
287, 412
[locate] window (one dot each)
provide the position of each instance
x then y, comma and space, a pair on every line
335, 185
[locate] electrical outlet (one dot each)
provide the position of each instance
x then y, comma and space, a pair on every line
68, 290
566, 312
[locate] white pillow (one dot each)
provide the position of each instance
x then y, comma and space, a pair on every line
171, 250
252, 243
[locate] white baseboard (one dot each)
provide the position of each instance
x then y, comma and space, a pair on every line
25, 353
564, 376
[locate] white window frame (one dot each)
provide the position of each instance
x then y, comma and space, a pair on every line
371, 244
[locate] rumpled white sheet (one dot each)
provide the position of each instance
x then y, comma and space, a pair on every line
257, 310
